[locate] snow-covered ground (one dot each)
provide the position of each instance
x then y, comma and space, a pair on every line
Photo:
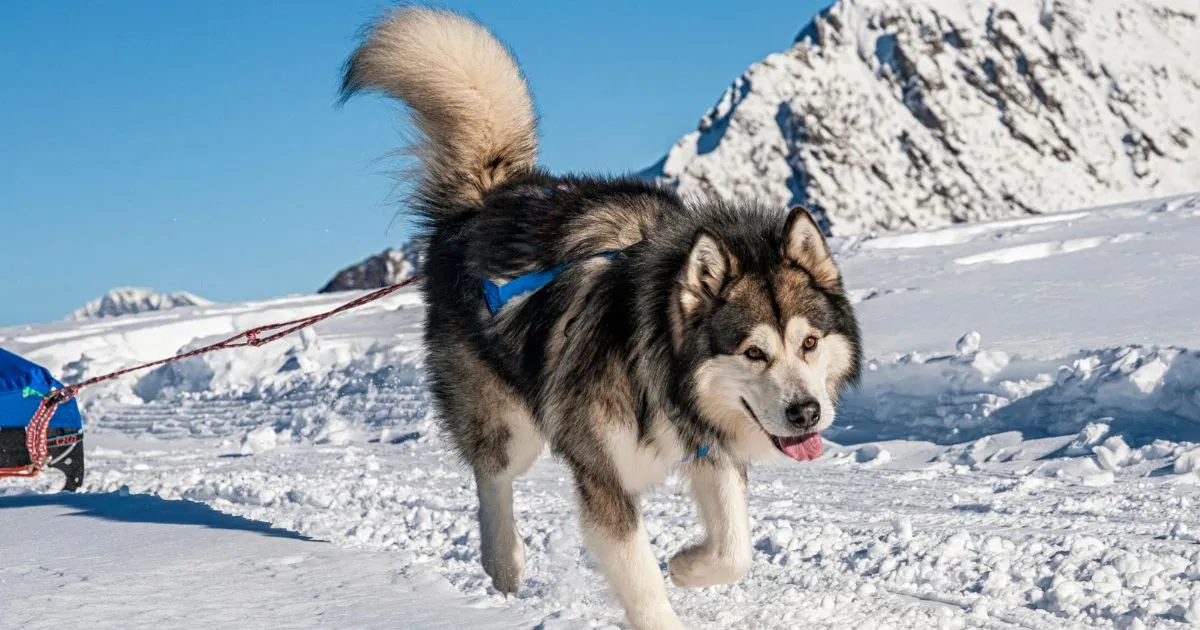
117, 560
1023, 452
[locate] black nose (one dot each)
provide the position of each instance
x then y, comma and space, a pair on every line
804, 414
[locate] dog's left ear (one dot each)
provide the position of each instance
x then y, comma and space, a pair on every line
707, 268
804, 245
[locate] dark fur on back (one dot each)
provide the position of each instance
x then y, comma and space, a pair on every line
531, 223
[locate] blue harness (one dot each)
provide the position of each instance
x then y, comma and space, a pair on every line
497, 295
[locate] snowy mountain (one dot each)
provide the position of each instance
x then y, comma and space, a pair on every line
887, 114
128, 301
381, 270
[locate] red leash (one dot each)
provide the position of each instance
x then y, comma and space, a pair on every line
36, 432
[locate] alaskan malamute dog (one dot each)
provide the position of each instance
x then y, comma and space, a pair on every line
634, 331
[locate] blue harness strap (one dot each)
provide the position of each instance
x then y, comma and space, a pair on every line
700, 454
497, 295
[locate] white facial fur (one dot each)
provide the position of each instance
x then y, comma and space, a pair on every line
790, 373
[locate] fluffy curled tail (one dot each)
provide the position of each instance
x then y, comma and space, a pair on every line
469, 102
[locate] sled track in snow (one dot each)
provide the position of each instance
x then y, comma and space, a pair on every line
223, 416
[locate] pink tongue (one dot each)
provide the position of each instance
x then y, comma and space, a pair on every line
801, 448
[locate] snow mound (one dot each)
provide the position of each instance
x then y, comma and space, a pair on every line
259, 440
130, 301
383, 269
887, 114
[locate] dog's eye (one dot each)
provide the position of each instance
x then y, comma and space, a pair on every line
754, 353
810, 342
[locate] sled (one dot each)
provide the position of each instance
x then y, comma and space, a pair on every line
23, 384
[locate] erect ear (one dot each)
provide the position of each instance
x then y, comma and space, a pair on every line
708, 266
804, 245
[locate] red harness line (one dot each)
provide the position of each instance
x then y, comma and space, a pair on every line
36, 432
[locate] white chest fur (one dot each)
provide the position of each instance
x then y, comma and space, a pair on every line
643, 465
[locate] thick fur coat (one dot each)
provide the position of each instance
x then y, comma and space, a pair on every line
720, 335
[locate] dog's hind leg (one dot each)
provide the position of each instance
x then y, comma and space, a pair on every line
724, 555
492, 430
613, 532
502, 548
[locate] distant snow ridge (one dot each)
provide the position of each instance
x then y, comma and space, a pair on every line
128, 301
888, 114
381, 270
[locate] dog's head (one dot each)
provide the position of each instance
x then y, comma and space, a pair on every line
762, 319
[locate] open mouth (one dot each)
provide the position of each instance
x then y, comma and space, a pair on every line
801, 448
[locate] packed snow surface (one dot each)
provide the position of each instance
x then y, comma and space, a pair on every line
139, 561
889, 114
1024, 452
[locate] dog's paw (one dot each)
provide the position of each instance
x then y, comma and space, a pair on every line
506, 578
669, 622
505, 567
507, 582
702, 566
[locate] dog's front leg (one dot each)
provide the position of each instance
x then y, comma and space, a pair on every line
725, 553
613, 532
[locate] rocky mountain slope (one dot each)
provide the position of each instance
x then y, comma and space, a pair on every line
383, 269
887, 114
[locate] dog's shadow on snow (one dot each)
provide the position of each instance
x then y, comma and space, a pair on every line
144, 508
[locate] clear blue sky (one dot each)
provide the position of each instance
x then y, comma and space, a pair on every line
196, 145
